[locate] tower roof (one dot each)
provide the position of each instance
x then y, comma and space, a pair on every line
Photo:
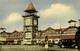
30, 8
71, 21
2, 28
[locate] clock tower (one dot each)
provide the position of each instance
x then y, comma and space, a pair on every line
30, 23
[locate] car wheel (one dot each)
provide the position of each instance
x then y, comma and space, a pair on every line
76, 47
62, 46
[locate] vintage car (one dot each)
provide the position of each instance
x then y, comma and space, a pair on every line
67, 43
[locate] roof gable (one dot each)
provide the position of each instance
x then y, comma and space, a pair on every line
49, 29
17, 32
69, 28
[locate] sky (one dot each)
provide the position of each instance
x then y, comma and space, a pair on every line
53, 13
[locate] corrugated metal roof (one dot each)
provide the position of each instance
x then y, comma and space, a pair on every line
57, 37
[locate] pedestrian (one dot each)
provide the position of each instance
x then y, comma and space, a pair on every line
46, 46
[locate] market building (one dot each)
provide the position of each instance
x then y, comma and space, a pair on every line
58, 34
30, 29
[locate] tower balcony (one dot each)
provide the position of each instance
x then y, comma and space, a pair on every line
27, 15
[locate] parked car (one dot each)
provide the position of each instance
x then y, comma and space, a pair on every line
50, 44
67, 43
2, 42
56, 41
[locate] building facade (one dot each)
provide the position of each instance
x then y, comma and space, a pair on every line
53, 34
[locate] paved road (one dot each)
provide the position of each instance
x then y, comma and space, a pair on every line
57, 48
32, 48
21, 48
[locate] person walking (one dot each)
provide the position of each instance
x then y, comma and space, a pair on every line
46, 43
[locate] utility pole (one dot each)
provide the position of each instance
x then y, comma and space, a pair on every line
79, 22
60, 27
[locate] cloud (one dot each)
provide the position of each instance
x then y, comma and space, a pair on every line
56, 13
12, 18
57, 10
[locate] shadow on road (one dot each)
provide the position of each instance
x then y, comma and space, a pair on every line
56, 50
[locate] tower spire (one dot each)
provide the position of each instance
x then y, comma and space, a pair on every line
30, 8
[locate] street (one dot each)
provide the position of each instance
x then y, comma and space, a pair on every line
57, 48
33, 48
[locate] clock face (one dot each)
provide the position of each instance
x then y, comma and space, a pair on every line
35, 22
28, 22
